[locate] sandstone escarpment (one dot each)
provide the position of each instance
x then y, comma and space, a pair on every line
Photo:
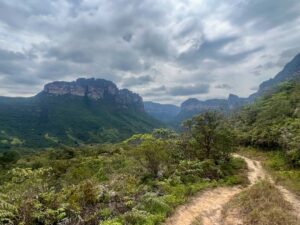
96, 89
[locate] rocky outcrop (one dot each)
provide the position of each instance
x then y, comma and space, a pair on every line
98, 90
127, 98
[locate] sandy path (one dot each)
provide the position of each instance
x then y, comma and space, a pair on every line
261, 173
208, 205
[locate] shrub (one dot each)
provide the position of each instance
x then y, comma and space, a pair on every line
137, 217
192, 171
111, 222
153, 204
152, 154
293, 157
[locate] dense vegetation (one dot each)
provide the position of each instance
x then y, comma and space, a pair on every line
273, 123
137, 181
46, 120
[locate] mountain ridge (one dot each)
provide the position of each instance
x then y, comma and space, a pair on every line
193, 106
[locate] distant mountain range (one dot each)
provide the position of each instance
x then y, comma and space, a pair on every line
97, 111
83, 111
193, 106
162, 112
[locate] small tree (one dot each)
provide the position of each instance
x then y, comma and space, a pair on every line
152, 154
9, 157
185, 142
210, 136
205, 131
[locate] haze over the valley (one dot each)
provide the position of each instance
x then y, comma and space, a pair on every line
167, 51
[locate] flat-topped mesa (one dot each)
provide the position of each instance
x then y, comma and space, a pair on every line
92, 88
96, 89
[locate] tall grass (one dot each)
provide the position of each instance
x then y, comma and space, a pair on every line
262, 204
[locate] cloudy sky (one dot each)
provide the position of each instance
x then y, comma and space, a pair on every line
166, 50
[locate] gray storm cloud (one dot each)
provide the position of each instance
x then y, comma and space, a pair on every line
164, 50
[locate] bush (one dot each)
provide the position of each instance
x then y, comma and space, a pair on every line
293, 157
192, 171
153, 204
152, 154
138, 217
111, 222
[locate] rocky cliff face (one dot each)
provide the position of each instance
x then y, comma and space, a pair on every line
96, 89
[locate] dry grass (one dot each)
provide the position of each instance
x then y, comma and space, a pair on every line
197, 221
262, 204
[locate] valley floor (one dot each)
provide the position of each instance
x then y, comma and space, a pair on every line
207, 207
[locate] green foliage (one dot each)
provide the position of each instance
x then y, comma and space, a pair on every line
192, 171
164, 134
154, 204
9, 157
7, 210
152, 154
138, 181
273, 122
111, 222
45, 120
138, 217
208, 136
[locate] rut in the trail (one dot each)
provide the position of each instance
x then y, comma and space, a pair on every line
208, 205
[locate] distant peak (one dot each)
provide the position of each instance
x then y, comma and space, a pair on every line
233, 96
190, 101
291, 71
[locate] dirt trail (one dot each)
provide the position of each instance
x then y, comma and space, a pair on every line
208, 205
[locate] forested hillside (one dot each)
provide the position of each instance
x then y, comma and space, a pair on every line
273, 122
73, 113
